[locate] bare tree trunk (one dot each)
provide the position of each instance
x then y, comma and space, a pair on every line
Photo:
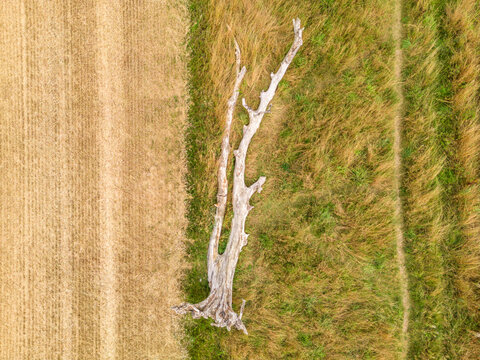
221, 267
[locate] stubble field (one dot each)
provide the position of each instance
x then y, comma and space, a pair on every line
92, 198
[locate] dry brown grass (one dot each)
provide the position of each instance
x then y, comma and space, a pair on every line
463, 23
88, 132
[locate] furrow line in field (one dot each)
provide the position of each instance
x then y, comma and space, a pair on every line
109, 55
399, 223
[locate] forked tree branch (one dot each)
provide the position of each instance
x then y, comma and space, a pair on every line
221, 267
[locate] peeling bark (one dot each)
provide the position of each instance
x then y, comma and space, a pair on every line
221, 267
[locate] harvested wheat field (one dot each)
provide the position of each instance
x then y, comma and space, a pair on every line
93, 110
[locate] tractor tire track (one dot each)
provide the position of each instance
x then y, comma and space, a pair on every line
397, 148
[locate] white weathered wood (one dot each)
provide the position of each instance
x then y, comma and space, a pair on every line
222, 192
221, 267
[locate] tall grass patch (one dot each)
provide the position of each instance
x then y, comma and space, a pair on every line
319, 273
463, 24
441, 145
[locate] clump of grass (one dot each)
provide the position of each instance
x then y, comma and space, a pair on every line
319, 273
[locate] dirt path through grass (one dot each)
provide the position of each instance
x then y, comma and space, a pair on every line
399, 227
92, 199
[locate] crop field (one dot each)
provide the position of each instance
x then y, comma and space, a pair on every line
365, 241
92, 200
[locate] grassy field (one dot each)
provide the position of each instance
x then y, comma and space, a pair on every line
319, 274
441, 157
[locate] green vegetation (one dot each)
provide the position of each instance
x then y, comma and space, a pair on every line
438, 225
319, 273
202, 135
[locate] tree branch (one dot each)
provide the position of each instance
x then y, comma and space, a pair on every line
222, 192
221, 268
256, 186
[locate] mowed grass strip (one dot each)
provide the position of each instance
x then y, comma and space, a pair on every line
319, 273
441, 188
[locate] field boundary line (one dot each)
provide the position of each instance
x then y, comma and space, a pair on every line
397, 149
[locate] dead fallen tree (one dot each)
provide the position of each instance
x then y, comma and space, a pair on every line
221, 267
